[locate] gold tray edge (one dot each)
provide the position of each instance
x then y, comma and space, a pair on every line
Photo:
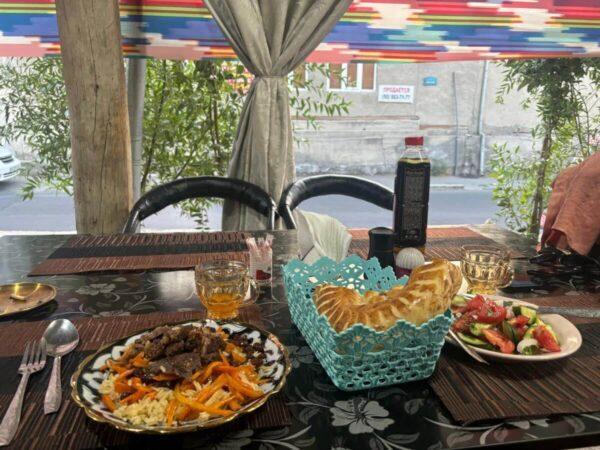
39, 305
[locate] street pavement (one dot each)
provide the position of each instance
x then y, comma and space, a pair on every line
453, 201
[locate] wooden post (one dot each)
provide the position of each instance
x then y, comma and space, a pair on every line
94, 75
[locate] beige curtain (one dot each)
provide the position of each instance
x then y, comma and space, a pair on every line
271, 38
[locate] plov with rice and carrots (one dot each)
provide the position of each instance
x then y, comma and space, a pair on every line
177, 374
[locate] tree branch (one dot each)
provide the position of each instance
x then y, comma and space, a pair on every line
155, 127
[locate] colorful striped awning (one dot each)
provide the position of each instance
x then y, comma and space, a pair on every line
371, 30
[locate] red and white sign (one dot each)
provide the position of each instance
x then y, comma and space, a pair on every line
392, 93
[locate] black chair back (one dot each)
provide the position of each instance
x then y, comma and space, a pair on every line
318, 185
185, 188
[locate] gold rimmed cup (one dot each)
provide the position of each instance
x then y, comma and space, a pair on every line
224, 287
486, 268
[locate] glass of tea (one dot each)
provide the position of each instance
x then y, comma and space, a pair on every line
223, 287
486, 268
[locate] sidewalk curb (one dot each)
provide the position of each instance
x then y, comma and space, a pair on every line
447, 186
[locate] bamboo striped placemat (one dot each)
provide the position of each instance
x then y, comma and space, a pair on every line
475, 392
138, 252
69, 428
176, 251
443, 242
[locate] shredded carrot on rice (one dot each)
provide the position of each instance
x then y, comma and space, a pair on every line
109, 403
219, 388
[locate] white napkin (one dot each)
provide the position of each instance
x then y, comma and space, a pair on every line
321, 235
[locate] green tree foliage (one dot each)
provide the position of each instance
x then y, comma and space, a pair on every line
191, 113
310, 98
35, 112
565, 95
190, 117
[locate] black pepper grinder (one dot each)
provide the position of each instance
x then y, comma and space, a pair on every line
381, 246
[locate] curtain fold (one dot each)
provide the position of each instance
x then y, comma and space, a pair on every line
271, 38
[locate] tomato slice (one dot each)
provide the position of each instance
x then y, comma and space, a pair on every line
497, 339
463, 322
521, 332
473, 304
519, 321
546, 339
476, 303
491, 312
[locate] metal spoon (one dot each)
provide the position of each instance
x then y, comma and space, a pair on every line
61, 338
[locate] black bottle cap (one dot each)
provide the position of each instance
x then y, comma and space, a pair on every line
381, 245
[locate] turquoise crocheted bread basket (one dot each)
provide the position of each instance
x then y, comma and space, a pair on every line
360, 357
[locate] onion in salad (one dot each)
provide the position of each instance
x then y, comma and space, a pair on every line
528, 346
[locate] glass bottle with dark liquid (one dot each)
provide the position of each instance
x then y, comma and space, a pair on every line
411, 195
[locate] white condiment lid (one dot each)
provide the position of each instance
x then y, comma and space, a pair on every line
409, 258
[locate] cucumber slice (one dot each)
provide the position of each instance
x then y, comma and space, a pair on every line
477, 328
531, 350
471, 340
530, 313
509, 331
459, 301
529, 333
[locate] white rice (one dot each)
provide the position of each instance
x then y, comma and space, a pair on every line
152, 411
147, 411
108, 385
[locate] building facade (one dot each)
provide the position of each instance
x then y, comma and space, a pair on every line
453, 105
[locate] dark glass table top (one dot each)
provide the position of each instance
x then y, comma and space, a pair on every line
396, 417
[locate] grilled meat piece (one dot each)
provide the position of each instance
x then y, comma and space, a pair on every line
255, 352
211, 344
153, 350
183, 365
175, 348
179, 350
170, 341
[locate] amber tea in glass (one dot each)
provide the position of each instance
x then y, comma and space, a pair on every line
485, 268
223, 287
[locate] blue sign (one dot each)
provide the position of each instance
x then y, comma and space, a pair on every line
430, 81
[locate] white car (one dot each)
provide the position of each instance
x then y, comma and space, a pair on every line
9, 164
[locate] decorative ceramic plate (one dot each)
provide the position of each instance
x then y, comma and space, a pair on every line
568, 335
86, 381
34, 295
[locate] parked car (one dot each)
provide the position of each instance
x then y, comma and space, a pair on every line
9, 164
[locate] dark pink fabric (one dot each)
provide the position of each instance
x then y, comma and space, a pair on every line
573, 217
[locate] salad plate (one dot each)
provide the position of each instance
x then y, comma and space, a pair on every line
559, 334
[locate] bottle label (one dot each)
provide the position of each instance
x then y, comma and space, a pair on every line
414, 224
411, 203
416, 180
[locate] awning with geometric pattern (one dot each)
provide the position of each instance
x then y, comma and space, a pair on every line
373, 30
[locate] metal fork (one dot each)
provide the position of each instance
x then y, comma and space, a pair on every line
34, 360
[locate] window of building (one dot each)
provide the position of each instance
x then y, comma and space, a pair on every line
352, 77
